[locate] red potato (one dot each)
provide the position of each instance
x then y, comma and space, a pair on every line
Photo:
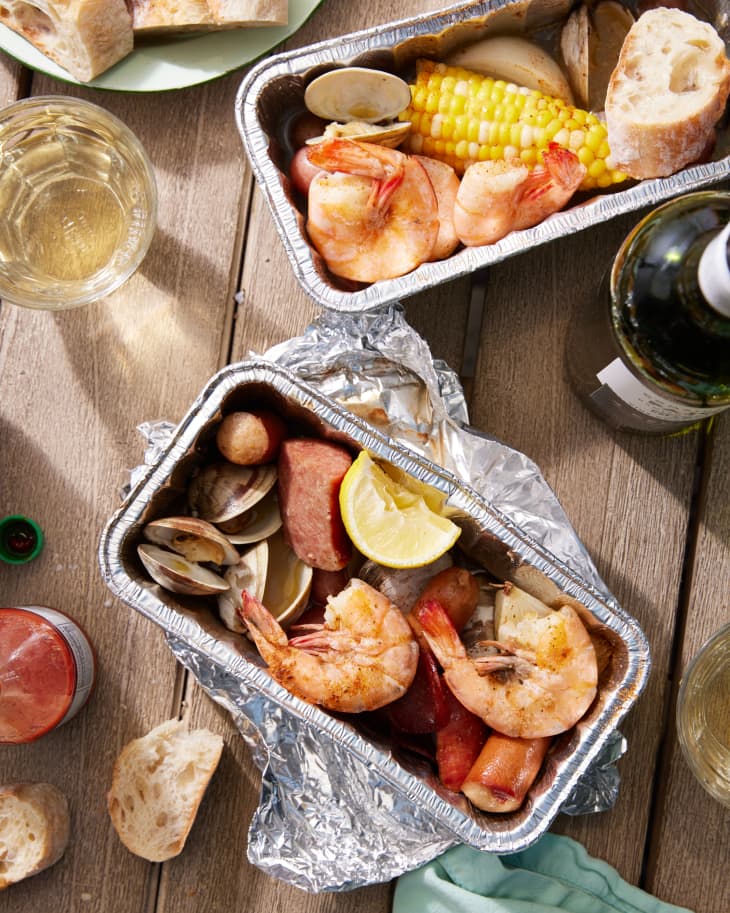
310, 475
327, 583
250, 438
456, 590
302, 171
458, 742
504, 771
423, 708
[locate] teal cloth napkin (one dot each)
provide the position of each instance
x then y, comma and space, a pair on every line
555, 874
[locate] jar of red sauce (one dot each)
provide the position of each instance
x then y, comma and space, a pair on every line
47, 671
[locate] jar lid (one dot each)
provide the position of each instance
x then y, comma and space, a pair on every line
21, 539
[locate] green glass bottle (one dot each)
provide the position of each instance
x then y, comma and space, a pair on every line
654, 354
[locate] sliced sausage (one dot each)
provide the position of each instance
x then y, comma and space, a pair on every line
310, 475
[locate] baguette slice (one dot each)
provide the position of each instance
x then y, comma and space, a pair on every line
155, 16
158, 783
666, 94
34, 829
85, 37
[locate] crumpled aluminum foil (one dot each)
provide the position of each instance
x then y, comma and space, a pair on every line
378, 367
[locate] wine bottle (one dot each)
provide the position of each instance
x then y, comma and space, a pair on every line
654, 353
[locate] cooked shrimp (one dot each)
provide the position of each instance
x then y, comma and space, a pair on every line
541, 682
363, 657
445, 183
372, 212
497, 197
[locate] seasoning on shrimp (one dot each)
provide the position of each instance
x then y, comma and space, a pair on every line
362, 657
497, 197
372, 212
539, 682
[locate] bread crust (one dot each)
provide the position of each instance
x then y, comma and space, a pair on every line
160, 16
666, 94
85, 37
35, 829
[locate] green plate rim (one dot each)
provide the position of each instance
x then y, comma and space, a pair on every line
173, 56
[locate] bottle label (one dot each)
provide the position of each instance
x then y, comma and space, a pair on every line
81, 650
653, 403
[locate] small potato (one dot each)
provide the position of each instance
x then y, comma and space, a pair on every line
250, 438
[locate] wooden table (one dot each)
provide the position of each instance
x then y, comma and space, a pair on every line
654, 513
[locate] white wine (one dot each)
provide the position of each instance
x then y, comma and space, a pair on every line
70, 229
653, 354
78, 200
703, 716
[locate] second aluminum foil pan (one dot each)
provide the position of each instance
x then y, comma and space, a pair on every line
272, 94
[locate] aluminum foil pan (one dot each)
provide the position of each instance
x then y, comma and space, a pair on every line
347, 810
272, 94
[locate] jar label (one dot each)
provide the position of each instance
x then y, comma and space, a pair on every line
82, 653
650, 402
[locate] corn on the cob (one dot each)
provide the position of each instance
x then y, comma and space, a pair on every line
460, 117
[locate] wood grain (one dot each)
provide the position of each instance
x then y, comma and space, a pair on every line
215, 287
692, 830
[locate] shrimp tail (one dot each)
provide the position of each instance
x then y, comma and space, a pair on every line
439, 629
560, 168
382, 192
261, 624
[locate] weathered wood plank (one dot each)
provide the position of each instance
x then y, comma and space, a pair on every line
691, 828
76, 384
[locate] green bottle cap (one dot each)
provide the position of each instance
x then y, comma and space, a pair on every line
21, 539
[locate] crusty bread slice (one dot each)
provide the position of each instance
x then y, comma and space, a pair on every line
153, 16
158, 783
666, 94
34, 829
84, 37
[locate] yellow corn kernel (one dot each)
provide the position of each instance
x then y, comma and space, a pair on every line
478, 117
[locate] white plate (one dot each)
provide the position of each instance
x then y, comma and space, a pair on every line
174, 63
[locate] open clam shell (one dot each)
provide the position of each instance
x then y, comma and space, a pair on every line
177, 574
257, 523
271, 573
223, 490
357, 94
391, 134
248, 574
288, 582
590, 43
194, 539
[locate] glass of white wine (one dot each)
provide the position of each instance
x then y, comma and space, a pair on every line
79, 203
703, 715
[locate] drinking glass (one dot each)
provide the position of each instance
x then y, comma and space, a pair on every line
79, 203
703, 715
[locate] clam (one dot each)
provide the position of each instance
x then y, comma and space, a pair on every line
402, 586
257, 523
357, 94
288, 581
590, 43
272, 573
177, 574
248, 574
391, 134
194, 539
223, 490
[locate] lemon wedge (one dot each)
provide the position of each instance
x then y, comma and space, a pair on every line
388, 522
